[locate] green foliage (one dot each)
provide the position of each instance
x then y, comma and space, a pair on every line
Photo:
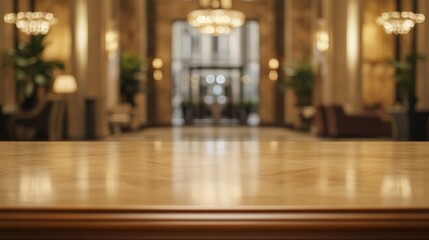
300, 78
30, 69
130, 74
251, 104
405, 76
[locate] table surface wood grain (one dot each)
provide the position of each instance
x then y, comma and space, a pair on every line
214, 190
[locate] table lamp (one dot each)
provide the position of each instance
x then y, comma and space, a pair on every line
65, 84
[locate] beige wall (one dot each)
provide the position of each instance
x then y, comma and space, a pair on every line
131, 19
59, 37
378, 85
7, 83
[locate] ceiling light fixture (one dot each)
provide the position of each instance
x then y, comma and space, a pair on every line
399, 22
31, 23
215, 17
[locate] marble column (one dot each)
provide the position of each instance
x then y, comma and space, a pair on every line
342, 84
95, 69
7, 82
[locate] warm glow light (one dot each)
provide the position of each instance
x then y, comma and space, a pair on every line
112, 41
157, 75
65, 84
31, 23
273, 63
399, 22
274, 75
157, 63
322, 40
246, 79
215, 19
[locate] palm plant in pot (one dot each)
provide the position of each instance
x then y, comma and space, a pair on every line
300, 79
406, 79
131, 72
409, 124
32, 73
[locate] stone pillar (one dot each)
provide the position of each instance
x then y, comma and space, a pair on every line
343, 82
79, 55
7, 82
354, 54
95, 69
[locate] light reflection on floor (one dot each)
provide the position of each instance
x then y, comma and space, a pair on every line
268, 134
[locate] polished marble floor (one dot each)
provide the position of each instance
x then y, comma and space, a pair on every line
205, 170
214, 133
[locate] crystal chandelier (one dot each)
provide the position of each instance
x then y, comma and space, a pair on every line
31, 23
215, 18
399, 22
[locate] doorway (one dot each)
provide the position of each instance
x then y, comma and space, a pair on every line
215, 78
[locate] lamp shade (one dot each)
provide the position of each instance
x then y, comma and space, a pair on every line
65, 84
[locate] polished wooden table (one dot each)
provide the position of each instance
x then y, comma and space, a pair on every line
214, 190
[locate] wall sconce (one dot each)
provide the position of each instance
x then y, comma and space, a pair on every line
322, 36
112, 41
274, 75
157, 65
274, 65
322, 40
157, 75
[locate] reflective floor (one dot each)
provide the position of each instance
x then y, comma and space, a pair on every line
214, 173
215, 134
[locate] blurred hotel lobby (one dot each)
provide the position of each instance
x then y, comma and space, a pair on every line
202, 119
323, 68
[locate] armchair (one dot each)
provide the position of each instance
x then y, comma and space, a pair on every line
45, 121
340, 124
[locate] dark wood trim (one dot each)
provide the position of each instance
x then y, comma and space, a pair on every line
164, 223
32, 5
398, 7
398, 54
414, 50
15, 9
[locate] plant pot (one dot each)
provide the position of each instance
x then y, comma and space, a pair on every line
410, 126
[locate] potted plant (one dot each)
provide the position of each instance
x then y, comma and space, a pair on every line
406, 79
300, 78
409, 124
189, 108
131, 72
32, 73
